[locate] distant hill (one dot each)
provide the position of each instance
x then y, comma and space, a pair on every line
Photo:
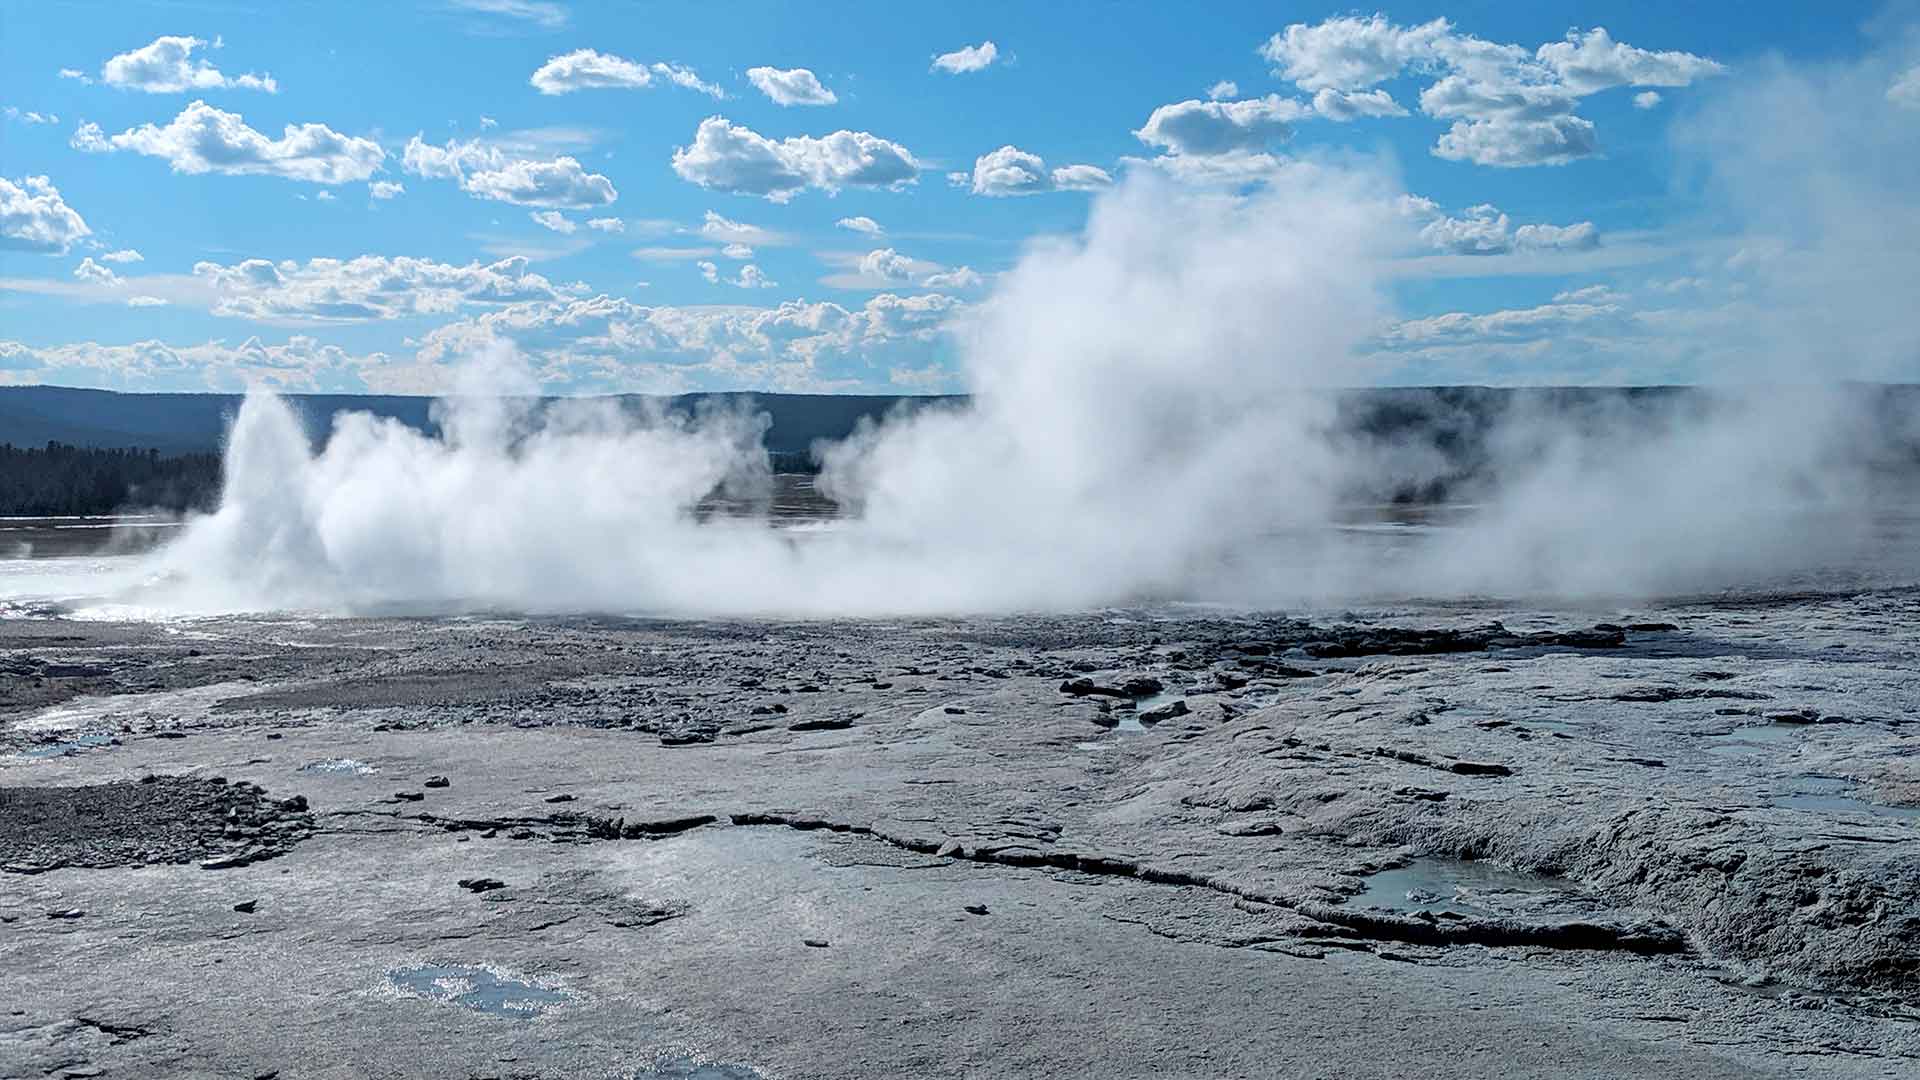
196, 423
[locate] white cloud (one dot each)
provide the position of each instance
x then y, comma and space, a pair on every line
1344, 105
487, 123
609, 341
386, 189
1199, 128
485, 171
970, 58
324, 196
796, 86
727, 231
88, 270
1013, 171
1580, 237
167, 67
732, 158
1484, 230
1509, 106
685, 77
751, 278
301, 363
737, 251
542, 13
1222, 90
553, 219
204, 139
886, 264
1905, 91
145, 301
589, 69
1350, 52
33, 217
1591, 62
1521, 324
1516, 143
960, 277
861, 224
607, 225
1646, 99
368, 287
709, 271
13, 113
78, 76
124, 255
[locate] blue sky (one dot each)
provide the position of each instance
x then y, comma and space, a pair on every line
620, 193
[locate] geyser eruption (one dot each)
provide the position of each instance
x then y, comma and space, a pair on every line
1152, 419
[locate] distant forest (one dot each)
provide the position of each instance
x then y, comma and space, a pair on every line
58, 480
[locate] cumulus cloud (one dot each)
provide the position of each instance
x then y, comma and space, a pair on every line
167, 66
33, 217
554, 220
1200, 128
386, 189
609, 341
970, 58
124, 255
729, 157
795, 86
88, 270
1013, 171
1484, 230
1593, 61
1646, 99
751, 278
888, 268
204, 139
607, 225
1344, 105
485, 171
589, 69
368, 287
861, 224
1223, 90
14, 113
300, 364
1510, 106
887, 265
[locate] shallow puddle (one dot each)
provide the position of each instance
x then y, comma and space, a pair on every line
75, 745
1834, 795
1756, 739
1474, 888
479, 989
689, 1069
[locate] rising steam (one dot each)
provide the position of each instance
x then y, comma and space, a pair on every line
1149, 421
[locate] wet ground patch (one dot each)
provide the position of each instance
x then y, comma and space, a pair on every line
480, 989
1465, 887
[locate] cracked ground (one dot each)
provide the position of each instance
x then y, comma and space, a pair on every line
1672, 841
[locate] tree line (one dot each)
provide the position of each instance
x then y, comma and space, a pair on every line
59, 480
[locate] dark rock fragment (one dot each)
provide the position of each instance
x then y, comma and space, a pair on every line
438, 782
823, 724
246, 907
975, 909
481, 884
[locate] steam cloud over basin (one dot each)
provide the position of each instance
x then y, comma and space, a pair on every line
1145, 425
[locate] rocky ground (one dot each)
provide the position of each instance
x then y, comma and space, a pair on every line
1674, 841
